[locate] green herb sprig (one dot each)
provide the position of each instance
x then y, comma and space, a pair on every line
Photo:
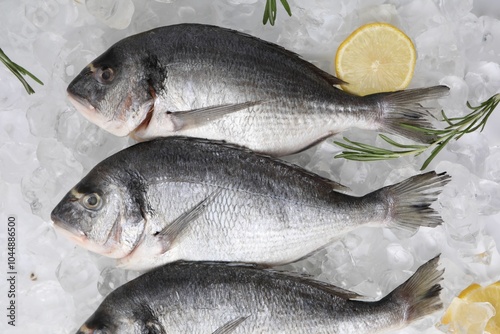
456, 128
19, 71
270, 11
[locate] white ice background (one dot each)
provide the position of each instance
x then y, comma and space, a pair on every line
46, 147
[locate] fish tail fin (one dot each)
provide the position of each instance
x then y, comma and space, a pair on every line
420, 293
409, 202
401, 111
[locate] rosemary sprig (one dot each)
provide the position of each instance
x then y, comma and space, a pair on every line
456, 128
19, 71
270, 11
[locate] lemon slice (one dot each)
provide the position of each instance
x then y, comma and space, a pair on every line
469, 310
377, 57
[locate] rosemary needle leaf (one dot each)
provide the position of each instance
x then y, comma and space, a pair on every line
266, 16
434, 153
19, 71
455, 129
271, 11
287, 7
395, 143
446, 119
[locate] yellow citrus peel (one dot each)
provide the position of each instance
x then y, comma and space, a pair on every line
468, 312
377, 57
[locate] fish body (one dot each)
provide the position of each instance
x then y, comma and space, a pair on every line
191, 199
209, 82
220, 298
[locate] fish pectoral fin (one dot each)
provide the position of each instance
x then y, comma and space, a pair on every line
230, 326
153, 327
182, 120
175, 229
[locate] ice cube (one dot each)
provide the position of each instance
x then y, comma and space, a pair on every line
241, 2
468, 317
472, 150
492, 166
10, 90
114, 13
399, 257
111, 278
454, 104
483, 79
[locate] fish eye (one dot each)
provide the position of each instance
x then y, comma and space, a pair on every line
105, 75
91, 201
100, 331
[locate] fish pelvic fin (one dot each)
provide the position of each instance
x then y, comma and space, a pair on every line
409, 202
402, 111
420, 293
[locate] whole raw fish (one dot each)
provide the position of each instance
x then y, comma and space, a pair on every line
192, 199
219, 298
209, 82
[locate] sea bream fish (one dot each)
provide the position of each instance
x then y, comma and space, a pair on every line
219, 298
210, 82
191, 199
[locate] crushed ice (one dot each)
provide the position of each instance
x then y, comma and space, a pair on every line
46, 146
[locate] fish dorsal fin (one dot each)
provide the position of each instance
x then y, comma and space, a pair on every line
293, 276
230, 326
173, 230
333, 184
327, 287
331, 79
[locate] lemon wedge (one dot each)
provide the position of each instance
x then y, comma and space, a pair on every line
474, 307
377, 57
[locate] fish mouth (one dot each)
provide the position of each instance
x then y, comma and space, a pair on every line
70, 232
83, 106
117, 126
80, 238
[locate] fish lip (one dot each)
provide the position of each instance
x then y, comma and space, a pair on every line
79, 237
67, 229
80, 100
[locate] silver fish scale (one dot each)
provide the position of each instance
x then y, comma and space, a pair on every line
209, 82
198, 200
200, 297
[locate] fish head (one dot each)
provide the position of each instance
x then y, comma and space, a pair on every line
120, 319
101, 215
114, 91
102, 322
